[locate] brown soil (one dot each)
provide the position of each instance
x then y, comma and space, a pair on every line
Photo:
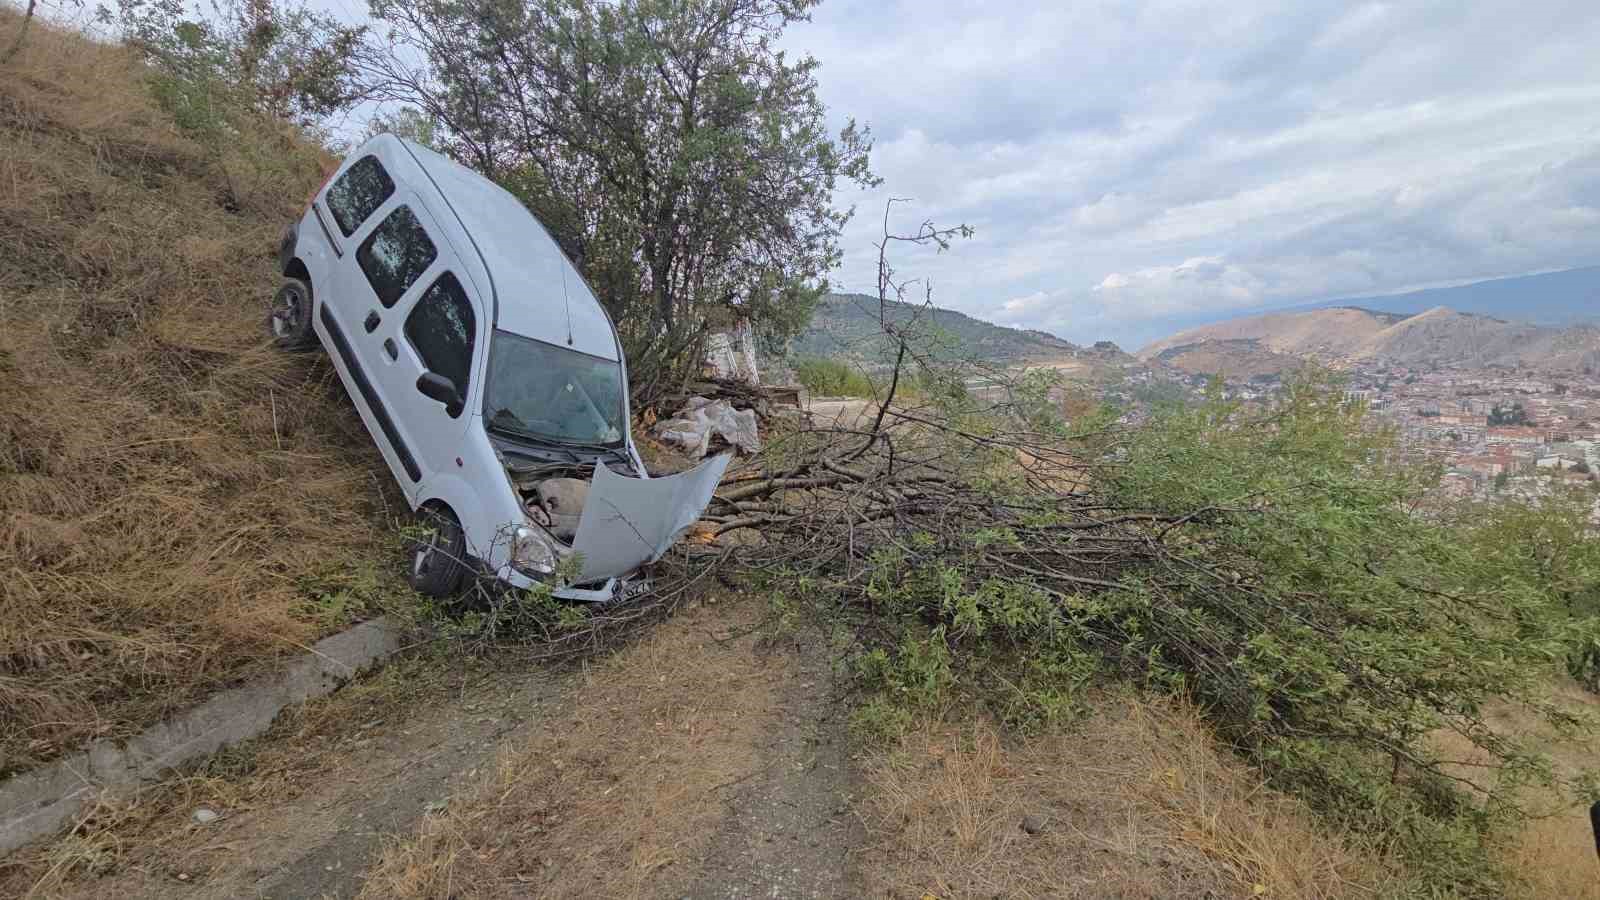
707, 760
702, 763
305, 808
1554, 852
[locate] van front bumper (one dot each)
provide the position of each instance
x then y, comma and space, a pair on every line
599, 592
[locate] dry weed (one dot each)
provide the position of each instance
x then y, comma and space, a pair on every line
1138, 803
168, 483
621, 800
1553, 854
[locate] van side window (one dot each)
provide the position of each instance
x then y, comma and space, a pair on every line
358, 193
441, 328
395, 254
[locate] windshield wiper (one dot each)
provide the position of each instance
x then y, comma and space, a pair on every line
511, 424
506, 420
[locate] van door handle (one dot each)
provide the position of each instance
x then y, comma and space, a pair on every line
371, 324
391, 349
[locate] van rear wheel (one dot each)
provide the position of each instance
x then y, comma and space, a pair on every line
438, 554
290, 318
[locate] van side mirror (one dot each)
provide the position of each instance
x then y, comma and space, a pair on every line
437, 387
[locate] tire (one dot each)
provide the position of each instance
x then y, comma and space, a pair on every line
439, 555
289, 322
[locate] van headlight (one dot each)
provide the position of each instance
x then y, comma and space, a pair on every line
532, 553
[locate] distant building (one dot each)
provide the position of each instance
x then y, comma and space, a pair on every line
1518, 435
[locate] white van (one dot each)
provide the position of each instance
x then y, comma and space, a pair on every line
486, 371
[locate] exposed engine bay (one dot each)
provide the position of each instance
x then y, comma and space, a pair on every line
613, 518
553, 494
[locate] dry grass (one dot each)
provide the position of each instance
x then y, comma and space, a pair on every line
1553, 854
623, 799
1138, 803
169, 485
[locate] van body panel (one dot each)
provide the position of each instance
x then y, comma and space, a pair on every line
432, 435
542, 296
486, 515
511, 275
628, 522
364, 395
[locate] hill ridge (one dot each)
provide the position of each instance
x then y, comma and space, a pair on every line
846, 326
1342, 336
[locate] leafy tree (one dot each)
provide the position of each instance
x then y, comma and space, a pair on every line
1514, 414
1550, 544
407, 122
670, 147
240, 57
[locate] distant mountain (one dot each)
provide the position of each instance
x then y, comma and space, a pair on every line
1322, 333
846, 326
1233, 358
1437, 337
1552, 298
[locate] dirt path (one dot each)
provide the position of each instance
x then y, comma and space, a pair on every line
790, 829
308, 823
838, 412
707, 761
321, 847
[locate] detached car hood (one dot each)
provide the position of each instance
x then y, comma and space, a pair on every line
628, 522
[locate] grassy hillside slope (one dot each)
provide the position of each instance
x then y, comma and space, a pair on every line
175, 496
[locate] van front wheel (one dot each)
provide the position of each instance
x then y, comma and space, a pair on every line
290, 319
438, 554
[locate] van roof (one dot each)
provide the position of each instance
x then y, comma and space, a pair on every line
538, 292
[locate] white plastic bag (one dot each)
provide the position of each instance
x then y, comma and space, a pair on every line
693, 428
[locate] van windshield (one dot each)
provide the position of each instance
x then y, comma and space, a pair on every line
551, 393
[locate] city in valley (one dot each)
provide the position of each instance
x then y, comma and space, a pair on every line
1507, 408
1521, 434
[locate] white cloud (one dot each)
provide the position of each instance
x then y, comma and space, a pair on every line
1128, 161
1111, 212
1198, 283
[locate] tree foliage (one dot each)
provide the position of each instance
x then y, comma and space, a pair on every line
1514, 414
670, 147
240, 57
1281, 566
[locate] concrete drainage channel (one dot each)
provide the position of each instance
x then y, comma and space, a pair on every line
40, 801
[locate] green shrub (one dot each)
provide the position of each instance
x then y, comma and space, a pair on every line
832, 378
1305, 592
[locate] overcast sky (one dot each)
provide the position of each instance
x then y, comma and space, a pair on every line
1132, 167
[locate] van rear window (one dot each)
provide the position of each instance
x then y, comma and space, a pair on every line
441, 327
395, 254
358, 193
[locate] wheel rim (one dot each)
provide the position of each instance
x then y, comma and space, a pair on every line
422, 560
286, 317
